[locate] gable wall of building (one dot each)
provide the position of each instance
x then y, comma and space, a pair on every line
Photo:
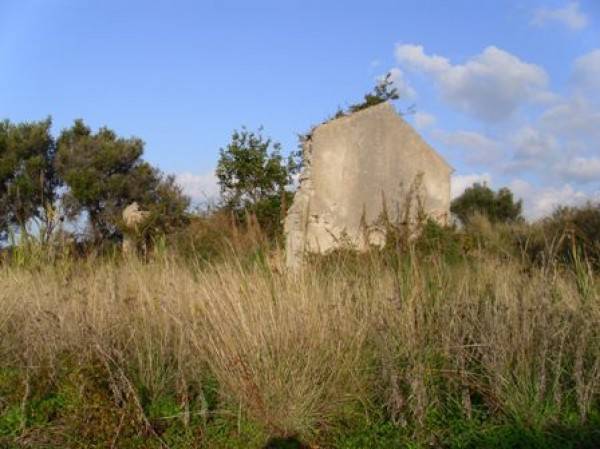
355, 168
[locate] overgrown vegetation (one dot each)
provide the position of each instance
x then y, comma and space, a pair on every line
459, 338
383, 91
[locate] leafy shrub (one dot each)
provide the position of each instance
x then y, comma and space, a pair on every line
214, 236
445, 241
253, 177
575, 232
498, 207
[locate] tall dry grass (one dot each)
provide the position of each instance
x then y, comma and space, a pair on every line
298, 352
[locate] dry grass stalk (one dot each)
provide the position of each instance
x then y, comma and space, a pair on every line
295, 351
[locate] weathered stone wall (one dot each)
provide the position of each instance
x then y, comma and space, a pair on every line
353, 165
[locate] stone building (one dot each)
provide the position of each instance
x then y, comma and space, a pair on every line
358, 167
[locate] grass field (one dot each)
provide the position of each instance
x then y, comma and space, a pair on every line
387, 349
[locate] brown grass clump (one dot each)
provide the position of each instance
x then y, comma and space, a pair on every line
295, 353
282, 348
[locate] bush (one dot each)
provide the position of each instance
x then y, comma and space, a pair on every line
444, 241
568, 235
498, 207
214, 236
253, 177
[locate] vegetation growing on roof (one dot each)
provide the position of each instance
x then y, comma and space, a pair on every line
383, 91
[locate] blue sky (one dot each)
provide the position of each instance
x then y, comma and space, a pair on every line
507, 91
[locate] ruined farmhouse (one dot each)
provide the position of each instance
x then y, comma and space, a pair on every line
358, 168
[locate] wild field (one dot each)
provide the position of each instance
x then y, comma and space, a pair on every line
449, 342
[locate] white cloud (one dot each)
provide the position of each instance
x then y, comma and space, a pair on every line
545, 98
531, 149
423, 120
459, 183
542, 201
569, 16
530, 142
475, 147
586, 72
200, 187
574, 118
581, 170
489, 86
415, 56
400, 83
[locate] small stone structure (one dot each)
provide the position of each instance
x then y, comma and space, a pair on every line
132, 218
357, 168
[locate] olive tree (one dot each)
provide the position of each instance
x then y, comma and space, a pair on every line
104, 173
27, 177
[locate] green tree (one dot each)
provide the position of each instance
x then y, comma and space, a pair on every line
253, 177
167, 207
498, 207
383, 91
27, 178
105, 173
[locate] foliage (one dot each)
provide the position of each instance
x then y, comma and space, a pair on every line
498, 207
435, 239
27, 177
570, 233
383, 91
357, 350
214, 236
105, 173
253, 177
167, 212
